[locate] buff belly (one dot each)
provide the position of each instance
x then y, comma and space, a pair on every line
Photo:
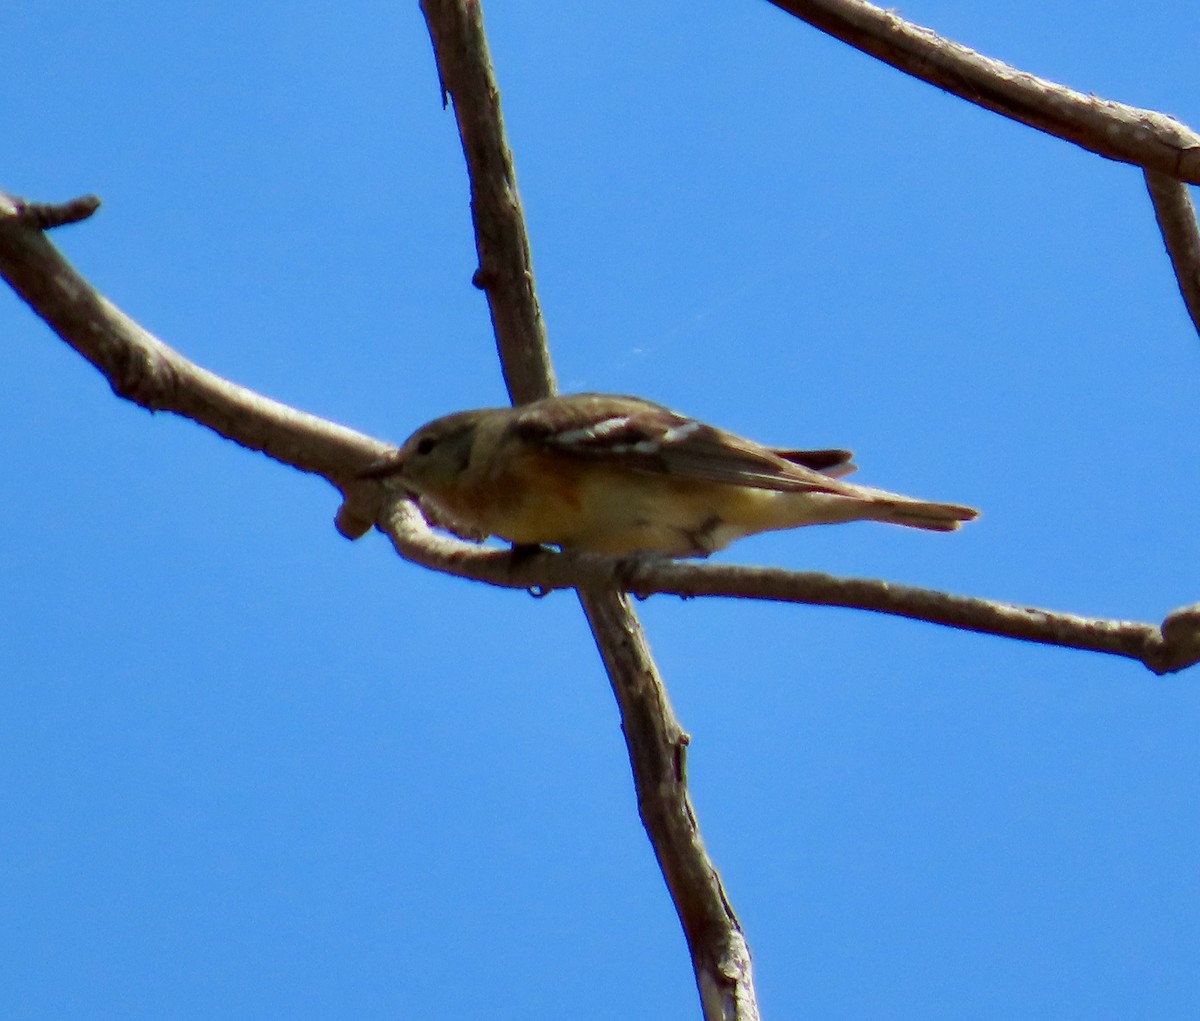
619, 513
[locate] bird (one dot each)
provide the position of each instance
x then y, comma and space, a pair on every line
619, 475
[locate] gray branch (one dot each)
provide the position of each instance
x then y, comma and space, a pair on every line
1166, 648
1177, 222
1167, 151
143, 369
720, 957
1113, 130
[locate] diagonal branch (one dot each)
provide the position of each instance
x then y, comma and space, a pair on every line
505, 271
1166, 150
720, 957
1177, 221
142, 369
1173, 646
1113, 130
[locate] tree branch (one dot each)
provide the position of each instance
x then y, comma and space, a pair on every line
720, 957
1113, 130
658, 754
142, 369
48, 215
1168, 648
505, 272
1177, 221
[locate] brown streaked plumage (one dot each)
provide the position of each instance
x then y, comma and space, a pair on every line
613, 474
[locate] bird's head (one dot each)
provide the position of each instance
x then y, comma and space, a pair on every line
432, 457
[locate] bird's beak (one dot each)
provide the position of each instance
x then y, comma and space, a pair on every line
385, 468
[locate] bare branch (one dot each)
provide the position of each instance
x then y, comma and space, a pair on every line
658, 754
1177, 220
1113, 130
720, 957
1166, 649
505, 270
142, 369
48, 215
1166, 150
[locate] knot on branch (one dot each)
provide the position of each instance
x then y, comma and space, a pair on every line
361, 506
140, 374
1188, 163
1179, 647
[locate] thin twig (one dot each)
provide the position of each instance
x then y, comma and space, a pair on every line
1177, 221
1168, 648
1167, 151
1119, 132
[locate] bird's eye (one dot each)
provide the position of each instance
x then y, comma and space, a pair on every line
425, 444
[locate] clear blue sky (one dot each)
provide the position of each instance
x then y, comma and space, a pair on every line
250, 770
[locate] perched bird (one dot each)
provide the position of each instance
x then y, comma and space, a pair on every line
609, 474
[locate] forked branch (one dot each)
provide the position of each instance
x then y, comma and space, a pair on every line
1167, 151
1128, 134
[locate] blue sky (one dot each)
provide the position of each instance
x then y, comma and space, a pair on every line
253, 771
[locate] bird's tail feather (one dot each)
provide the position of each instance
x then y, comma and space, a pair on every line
934, 517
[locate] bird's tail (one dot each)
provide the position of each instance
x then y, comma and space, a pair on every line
934, 517
859, 503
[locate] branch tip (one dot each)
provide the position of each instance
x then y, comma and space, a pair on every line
1176, 218
1180, 645
48, 215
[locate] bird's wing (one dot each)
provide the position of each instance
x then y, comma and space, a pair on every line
834, 463
647, 437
